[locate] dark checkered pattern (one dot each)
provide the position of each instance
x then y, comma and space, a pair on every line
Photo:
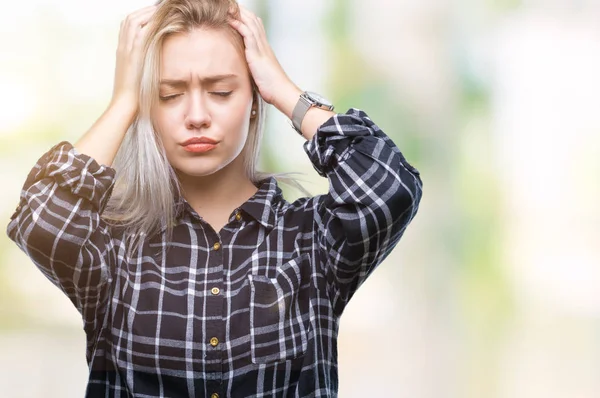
250, 311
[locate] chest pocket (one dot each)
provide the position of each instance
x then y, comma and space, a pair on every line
280, 312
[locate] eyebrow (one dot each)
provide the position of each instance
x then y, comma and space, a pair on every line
205, 80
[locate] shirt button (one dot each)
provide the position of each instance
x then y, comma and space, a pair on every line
214, 341
238, 216
215, 290
217, 246
214, 395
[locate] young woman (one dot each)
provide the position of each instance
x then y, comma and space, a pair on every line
192, 273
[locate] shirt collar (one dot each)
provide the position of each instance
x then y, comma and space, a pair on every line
261, 206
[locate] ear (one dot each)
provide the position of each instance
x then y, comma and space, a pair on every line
254, 111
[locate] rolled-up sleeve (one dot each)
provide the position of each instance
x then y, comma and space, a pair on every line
374, 193
57, 224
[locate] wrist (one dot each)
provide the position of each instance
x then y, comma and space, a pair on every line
124, 106
287, 99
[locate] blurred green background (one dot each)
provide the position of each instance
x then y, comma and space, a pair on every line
492, 292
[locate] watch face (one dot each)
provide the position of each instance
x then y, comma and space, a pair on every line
319, 98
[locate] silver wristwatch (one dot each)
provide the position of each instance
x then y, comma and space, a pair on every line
307, 100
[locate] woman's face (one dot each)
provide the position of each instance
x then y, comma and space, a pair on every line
205, 91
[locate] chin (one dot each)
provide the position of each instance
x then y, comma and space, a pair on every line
198, 168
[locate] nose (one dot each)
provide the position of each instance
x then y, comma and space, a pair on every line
198, 114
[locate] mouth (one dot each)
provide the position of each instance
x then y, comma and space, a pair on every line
199, 144
200, 140
199, 148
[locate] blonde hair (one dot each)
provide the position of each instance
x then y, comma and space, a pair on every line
146, 185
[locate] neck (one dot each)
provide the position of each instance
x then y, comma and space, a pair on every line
218, 194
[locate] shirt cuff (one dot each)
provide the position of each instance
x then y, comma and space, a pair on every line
333, 139
78, 173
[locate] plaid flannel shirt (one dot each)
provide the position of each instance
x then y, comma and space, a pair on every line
250, 311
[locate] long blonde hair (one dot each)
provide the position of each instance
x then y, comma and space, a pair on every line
143, 198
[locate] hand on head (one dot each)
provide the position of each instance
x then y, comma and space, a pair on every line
266, 70
133, 31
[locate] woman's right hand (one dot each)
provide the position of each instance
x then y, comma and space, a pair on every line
130, 58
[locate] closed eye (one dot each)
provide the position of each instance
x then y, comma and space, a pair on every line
169, 97
217, 93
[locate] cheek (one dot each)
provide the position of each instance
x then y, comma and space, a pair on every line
239, 116
164, 127
238, 127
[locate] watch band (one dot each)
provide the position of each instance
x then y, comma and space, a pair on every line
305, 102
302, 106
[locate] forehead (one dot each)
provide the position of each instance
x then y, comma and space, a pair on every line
199, 53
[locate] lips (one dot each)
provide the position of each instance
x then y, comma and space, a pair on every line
199, 145
200, 140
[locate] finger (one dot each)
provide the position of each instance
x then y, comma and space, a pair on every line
145, 15
233, 8
255, 26
134, 34
127, 31
255, 21
247, 34
137, 13
140, 35
133, 20
136, 27
249, 17
261, 29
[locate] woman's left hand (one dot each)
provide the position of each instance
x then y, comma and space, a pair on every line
268, 74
